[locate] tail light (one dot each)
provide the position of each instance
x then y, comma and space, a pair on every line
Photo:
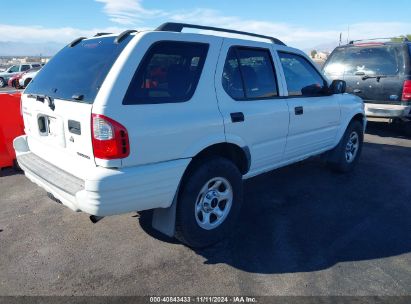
406, 91
110, 139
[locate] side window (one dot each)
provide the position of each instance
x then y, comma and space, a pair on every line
25, 67
168, 73
232, 81
301, 77
249, 74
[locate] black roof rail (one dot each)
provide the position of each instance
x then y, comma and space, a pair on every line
101, 34
123, 35
76, 41
404, 39
178, 27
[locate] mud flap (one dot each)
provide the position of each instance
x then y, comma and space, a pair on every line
164, 219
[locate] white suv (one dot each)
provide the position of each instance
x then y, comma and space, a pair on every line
176, 121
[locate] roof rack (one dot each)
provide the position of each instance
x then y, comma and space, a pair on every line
123, 35
76, 41
404, 39
178, 27
101, 34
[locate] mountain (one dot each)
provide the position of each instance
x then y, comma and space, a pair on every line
8, 48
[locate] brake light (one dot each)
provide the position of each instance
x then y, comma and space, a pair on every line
109, 138
406, 91
368, 44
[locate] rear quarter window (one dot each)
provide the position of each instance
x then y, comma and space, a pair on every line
169, 73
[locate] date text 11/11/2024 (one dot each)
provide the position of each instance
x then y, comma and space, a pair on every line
203, 299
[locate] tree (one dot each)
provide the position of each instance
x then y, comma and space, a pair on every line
313, 53
400, 38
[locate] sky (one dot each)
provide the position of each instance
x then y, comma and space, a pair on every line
302, 24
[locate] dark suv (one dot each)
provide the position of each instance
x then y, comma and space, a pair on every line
379, 73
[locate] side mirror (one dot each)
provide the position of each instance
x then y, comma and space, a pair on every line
312, 90
338, 87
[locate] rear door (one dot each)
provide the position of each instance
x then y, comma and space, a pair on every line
374, 72
57, 104
249, 98
25, 67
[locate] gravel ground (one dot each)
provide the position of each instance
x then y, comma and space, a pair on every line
304, 231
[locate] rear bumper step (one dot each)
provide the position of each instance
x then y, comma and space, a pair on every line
51, 174
387, 110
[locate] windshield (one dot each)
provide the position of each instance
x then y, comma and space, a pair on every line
77, 73
385, 60
13, 69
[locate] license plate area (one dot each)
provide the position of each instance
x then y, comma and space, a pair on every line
47, 125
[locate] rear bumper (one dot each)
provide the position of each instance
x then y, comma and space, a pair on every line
104, 191
387, 110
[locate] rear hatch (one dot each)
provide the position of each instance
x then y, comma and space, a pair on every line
373, 71
57, 104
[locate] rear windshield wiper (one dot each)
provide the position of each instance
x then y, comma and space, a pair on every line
43, 98
37, 97
378, 77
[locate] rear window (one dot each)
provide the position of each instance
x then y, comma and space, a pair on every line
373, 60
78, 71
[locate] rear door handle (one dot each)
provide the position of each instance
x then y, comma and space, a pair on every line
357, 91
237, 117
299, 110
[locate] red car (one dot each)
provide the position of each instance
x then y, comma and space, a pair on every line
14, 81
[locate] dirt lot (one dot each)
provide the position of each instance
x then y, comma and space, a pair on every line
304, 231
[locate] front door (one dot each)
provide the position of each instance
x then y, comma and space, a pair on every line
314, 115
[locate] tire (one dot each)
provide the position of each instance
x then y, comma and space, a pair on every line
26, 82
342, 160
16, 166
407, 128
2, 82
206, 215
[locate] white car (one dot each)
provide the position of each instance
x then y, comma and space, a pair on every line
15, 70
28, 76
175, 122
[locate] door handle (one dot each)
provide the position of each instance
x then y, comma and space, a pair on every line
237, 117
299, 110
357, 91
74, 127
